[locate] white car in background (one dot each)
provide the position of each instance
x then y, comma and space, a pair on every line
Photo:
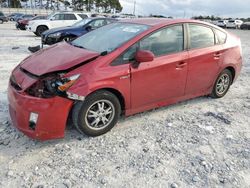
234, 24
58, 19
221, 23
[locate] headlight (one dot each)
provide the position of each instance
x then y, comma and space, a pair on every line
55, 35
66, 83
52, 85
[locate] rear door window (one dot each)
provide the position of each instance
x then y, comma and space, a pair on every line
70, 17
201, 36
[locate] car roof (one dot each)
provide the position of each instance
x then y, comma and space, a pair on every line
160, 21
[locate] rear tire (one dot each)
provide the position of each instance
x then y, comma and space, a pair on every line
97, 114
222, 84
40, 30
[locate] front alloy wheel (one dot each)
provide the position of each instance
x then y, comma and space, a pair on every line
100, 114
97, 114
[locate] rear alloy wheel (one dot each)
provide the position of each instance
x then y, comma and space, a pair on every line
40, 30
222, 84
97, 114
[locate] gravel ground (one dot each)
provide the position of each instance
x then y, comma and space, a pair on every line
197, 143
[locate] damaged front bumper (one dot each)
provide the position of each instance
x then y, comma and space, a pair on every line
38, 118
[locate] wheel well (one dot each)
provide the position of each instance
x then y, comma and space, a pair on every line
232, 70
42, 26
118, 95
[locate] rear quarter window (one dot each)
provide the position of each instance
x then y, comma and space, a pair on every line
83, 16
221, 36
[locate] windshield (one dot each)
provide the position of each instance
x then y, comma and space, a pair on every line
81, 22
110, 37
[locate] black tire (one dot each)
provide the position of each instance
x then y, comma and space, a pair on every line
82, 119
40, 30
1, 21
68, 38
221, 87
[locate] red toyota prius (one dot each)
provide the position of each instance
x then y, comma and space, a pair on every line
120, 69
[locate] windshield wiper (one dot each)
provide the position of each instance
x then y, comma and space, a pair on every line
104, 53
78, 46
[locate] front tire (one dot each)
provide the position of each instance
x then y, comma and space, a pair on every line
97, 114
40, 30
222, 84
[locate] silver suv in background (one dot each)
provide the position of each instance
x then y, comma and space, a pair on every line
221, 23
234, 24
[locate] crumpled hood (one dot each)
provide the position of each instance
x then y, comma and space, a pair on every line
59, 57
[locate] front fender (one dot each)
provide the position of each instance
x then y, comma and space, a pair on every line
83, 90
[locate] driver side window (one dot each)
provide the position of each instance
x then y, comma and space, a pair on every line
165, 41
97, 23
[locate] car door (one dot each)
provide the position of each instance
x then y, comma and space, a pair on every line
70, 19
204, 59
165, 77
57, 21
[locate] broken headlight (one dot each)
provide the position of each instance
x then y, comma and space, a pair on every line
52, 85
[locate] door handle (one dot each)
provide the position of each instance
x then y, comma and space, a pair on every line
181, 65
217, 55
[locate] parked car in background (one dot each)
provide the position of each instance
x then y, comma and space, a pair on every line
245, 25
221, 23
234, 24
3, 18
14, 15
25, 16
120, 69
21, 24
82, 27
17, 17
58, 19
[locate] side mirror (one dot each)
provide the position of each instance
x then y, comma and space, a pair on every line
142, 56
88, 28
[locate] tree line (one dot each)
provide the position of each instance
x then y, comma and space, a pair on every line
106, 6
214, 18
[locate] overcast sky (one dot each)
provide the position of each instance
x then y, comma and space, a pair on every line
189, 8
